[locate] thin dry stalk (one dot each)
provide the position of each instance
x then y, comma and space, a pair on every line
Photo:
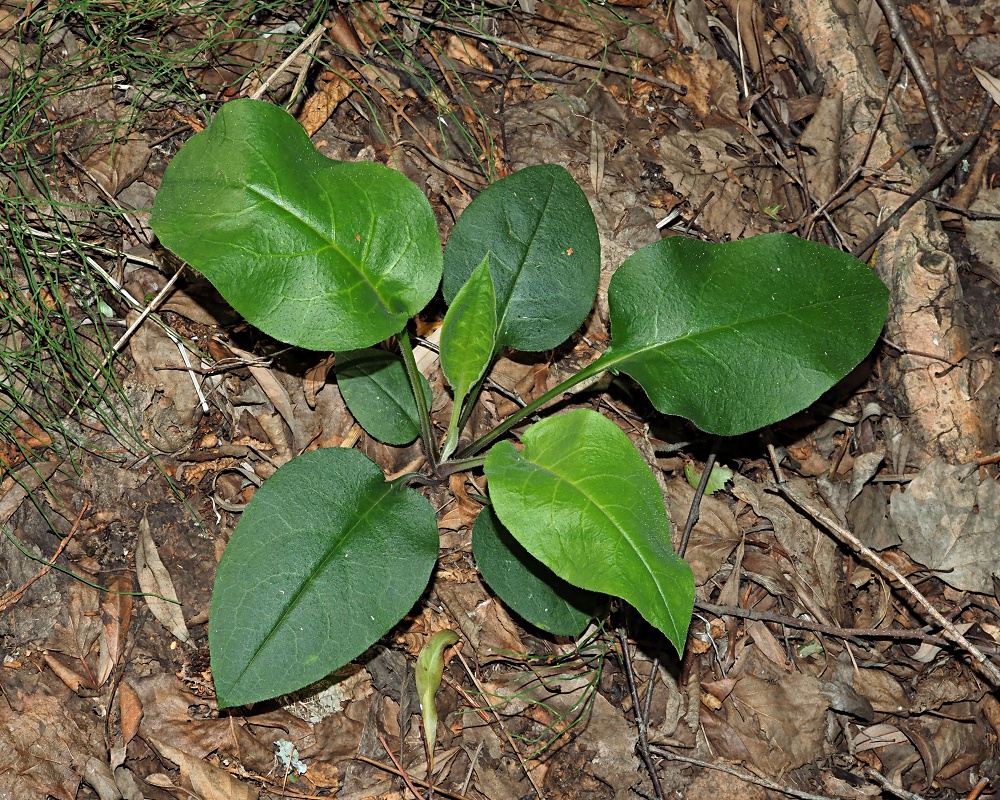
987, 667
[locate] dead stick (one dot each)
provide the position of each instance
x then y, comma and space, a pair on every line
402, 772
417, 781
936, 179
932, 100
851, 634
749, 778
640, 721
987, 667
535, 51
12, 597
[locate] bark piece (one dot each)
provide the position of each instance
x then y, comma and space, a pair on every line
925, 312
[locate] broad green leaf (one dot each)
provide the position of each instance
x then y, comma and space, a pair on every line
525, 584
302, 586
377, 392
539, 232
318, 253
581, 500
430, 667
739, 335
468, 333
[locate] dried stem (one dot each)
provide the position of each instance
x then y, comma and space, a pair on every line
987, 667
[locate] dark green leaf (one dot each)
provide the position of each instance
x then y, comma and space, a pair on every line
322, 254
537, 228
525, 584
326, 559
581, 500
736, 336
377, 392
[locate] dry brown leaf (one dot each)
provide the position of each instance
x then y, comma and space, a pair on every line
483, 620
988, 82
713, 538
881, 735
74, 639
321, 105
466, 52
781, 718
130, 708
155, 580
205, 780
44, 747
768, 645
881, 690
315, 379
724, 738
120, 164
116, 614
67, 671
949, 521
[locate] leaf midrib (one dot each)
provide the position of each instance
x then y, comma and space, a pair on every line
295, 598
562, 479
502, 318
279, 202
613, 355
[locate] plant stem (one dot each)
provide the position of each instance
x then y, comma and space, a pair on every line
470, 402
595, 368
454, 426
693, 512
426, 433
460, 465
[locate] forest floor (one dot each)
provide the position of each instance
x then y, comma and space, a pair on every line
139, 415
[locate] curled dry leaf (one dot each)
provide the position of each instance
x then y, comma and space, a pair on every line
130, 707
155, 580
116, 615
321, 105
204, 780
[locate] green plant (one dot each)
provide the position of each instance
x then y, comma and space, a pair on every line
338, 256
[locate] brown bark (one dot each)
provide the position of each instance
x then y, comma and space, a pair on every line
925, 313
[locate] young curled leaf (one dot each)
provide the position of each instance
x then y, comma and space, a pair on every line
430, 667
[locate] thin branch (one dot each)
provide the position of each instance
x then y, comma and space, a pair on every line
828, 630
935, 179
416, 781
640, 721
987, 667
694, 511
774, 787
932, 100
304, 45
9, 599
889, 786
402, 773
496, 716
551, 56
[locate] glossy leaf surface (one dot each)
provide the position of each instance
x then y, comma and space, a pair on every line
525, 584
377, 392
537, 228
740, 335
581, 500
468, 333
301, 588
322, 254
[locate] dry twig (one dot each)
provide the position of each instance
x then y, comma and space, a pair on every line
935, 179
932, 100
987, 667
551, 56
